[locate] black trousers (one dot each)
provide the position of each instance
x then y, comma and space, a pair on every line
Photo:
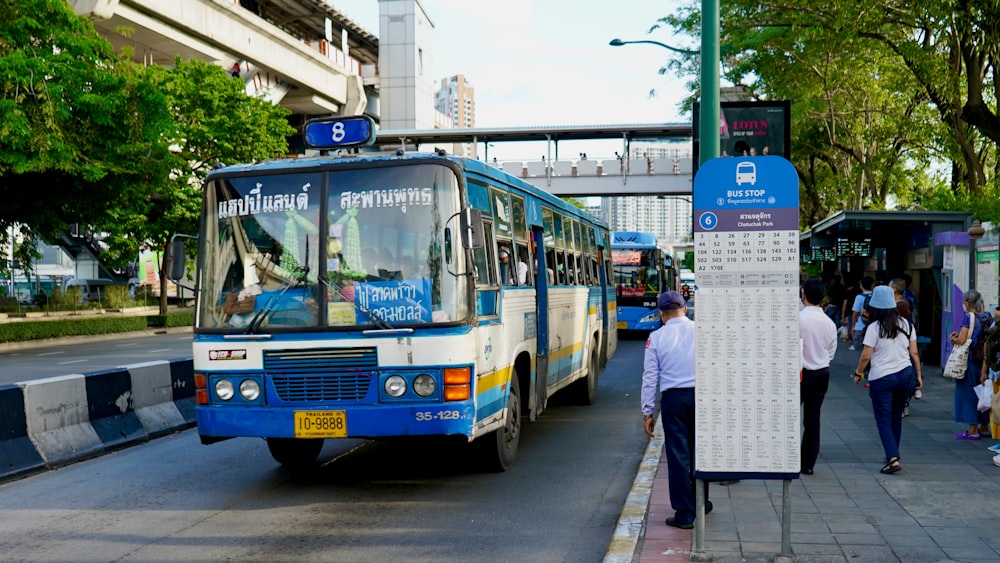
812, 391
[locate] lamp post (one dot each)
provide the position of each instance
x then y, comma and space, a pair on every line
708, 122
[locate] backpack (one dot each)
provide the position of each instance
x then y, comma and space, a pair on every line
988, 347
865, 308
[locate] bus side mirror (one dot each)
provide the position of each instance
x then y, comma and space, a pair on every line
178, 261
472, 228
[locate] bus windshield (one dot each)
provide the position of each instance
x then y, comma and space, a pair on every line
637, 272
345, 248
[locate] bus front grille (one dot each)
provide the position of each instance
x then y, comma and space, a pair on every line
328, 374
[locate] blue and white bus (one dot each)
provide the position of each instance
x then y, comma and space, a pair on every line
642, 271
377, 295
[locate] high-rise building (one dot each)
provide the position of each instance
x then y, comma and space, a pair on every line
457, 101
667, 217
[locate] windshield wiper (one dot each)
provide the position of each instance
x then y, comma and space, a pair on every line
299, 276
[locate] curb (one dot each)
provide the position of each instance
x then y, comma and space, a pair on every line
625, 542
53, 422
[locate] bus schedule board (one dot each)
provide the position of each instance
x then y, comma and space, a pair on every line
746, 247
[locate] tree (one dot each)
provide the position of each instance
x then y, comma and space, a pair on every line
80, 130
881, 91
216, 122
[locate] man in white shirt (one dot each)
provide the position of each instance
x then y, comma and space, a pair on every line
819, 344
668, 370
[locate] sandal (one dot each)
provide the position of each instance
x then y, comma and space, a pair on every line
891, 466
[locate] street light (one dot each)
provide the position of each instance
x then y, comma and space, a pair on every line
708, 121
618, 43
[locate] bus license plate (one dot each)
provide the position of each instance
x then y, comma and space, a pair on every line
622, 325
320, 424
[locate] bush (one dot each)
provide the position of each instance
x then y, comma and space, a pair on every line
116, 297
34, 330
22, 331
171, 320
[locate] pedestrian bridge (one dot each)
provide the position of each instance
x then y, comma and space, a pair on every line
625, 175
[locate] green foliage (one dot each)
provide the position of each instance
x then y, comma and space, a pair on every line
890, 102
171, 320
116, 297
34, 330
25, 330
75, 121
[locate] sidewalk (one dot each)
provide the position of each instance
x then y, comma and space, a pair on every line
941, 507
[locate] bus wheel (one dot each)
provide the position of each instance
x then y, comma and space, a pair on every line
585, 390
295, 452
498, 449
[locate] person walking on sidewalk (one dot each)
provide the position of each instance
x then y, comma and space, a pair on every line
858, 321
890, 344
819, 345
668, 369
966, 400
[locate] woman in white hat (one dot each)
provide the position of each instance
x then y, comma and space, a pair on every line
890, 344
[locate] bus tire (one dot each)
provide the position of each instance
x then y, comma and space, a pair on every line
585, 390
498, 449
295, 452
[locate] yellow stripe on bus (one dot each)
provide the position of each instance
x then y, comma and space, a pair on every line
496, 379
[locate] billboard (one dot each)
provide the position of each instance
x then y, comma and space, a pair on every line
750, 129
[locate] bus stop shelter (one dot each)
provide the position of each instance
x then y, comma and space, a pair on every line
890, 244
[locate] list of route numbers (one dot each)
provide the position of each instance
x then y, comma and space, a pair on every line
748, 309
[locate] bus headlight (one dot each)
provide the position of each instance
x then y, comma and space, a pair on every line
654, 316
424, 385
395, 386
249, 389
224, 389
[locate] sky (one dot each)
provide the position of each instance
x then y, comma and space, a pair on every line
548, 62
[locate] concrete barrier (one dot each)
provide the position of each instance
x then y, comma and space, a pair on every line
18, 457
58, 419
52, 422
110, 409
153, 395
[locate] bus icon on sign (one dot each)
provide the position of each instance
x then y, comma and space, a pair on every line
746, 173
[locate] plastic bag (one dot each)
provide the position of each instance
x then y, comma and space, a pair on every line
985, 394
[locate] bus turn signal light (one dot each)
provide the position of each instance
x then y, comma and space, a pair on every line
457, 392
457, 376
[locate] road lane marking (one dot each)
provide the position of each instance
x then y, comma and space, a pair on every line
50, 353
71, 362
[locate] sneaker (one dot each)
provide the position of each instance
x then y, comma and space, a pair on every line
985, 434
995, 448
906, 412
851, 347
966, 436
918, 394
996, 460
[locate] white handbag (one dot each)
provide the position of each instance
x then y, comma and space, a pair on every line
958, 360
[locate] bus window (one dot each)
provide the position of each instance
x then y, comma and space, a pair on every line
521, 254
501, 214
520, 224
484, 258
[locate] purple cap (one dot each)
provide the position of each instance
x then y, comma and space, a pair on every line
670, 300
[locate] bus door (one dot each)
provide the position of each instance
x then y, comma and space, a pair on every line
602, 274
537, 399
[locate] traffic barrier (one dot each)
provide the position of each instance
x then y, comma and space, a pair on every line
153, 397
58, 419
18, 456
182, 378
110, 410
